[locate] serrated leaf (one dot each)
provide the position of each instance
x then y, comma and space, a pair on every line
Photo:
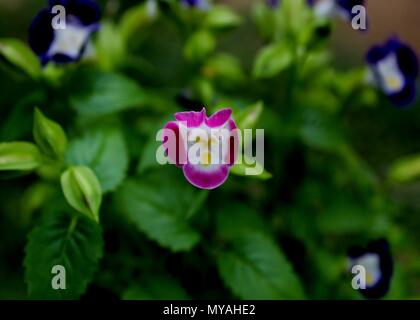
155, 287
255, 268
20, 55
60, 240
271, 60
105, 152
159, 204
102, 93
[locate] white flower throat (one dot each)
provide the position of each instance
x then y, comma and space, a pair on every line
69, 41
392, 80
371, 263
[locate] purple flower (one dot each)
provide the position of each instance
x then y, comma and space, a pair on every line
395, 68
331, 8
199, 4
273, 3
204, 147
376, 259
68, 44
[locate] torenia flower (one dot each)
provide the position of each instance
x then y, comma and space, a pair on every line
394, 69
273, 3
204, 147
53, 39
333, 8
199, 4
377, 263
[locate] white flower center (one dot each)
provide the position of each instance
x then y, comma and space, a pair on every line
208, 147
392, 80
371, 263
325, 9
69, 41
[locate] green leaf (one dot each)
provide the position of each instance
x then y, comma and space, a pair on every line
249, 167
58, 239
320, 131
49, 135
20, 55
405, 170
199, 46
255, 268
82, 191
136, 19
104, 151
225, 69
263, 16
110, 46
99, 93
294, 19
248, 118
156, 287
236, 219
159, 205
221, 17
21, 156
271, 60
148, 157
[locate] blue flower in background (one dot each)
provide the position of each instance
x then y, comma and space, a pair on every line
332, 8
273, 3
377, 260
199, 4
69, 44
328, 8
394, 67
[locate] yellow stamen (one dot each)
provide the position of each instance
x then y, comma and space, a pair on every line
393, 82
206, 159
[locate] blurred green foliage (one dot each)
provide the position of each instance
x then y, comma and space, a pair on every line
333, 147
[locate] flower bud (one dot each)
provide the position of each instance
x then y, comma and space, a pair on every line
21, 156
49, 136
82, 191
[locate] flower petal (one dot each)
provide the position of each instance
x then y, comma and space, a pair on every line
406, 96
41, 34
205, 178
193, 119
176, 150
408, 61
219, 118
87, 11
381, 249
